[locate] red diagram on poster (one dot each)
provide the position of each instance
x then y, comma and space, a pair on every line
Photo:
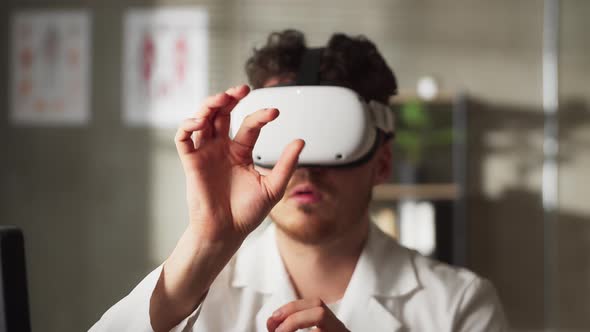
50, 67
166, 65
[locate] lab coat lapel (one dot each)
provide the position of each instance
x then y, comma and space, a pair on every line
282, 291
365, 313
384, 271
374, 317
274, 301
260, 268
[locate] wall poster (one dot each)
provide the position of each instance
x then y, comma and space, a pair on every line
50, 65
165, 67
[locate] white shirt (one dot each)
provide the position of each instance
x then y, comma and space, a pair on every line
391, 289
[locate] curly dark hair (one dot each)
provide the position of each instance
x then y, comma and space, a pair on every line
353, 62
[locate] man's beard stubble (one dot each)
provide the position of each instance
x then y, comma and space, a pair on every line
324, 227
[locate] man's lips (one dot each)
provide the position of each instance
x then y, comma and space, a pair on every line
305, 193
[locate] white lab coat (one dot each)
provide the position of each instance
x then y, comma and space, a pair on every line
392, 289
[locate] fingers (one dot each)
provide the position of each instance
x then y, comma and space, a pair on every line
278, 178
288, 309
222, 118
213, 103
183, 141
220, 103
250, 128
209, 108
302, 314
298, 305
317, 316
237, 93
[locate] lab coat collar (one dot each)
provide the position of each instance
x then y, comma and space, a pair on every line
384, 271
385, 268
259, 265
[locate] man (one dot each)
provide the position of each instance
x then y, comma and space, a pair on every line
321, 264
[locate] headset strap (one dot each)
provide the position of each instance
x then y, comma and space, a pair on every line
382, 116
309, 69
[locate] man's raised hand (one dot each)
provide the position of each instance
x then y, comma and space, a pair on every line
227, 199
226, 195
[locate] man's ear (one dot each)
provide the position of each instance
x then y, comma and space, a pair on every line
383, 163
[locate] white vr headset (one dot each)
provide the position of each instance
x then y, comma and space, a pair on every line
339, 128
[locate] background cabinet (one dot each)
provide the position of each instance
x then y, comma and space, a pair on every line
424, 200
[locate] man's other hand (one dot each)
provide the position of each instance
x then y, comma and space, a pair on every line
301, 314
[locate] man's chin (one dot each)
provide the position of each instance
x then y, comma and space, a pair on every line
307, 230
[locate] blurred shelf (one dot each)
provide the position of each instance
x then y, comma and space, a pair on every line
443, 97
394, 192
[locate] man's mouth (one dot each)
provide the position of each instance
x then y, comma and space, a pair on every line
306, 194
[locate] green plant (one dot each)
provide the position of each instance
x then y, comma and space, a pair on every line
416, 132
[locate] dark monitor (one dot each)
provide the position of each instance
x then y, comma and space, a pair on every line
14, 300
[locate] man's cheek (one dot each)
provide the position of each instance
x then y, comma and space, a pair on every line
278, 210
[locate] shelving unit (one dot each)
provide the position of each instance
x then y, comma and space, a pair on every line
445, 193
437, 191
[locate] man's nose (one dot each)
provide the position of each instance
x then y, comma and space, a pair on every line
310, 171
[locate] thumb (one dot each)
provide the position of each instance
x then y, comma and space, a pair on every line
277, 180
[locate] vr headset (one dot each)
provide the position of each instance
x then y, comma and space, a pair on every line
339, 128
